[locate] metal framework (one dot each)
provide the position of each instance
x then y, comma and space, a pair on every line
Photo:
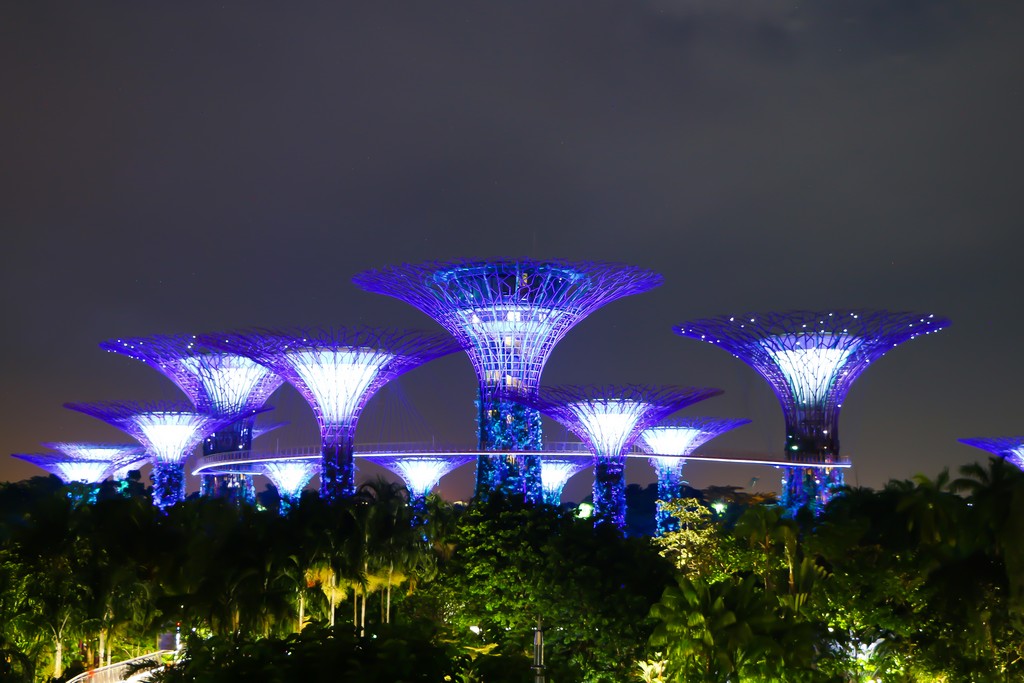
810, 359
1009, 448
420, 471
68, 469
556, 471
290, 477
669, 442
216, 382
169, 431
508, 314
337, 371
609, 419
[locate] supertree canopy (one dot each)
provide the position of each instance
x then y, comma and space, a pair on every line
290, 476
169, 431
811, 359
1009, 448
556, 471
609, 419
508, 314
67, 468
337, 371
669, 442
420, 471
216, 382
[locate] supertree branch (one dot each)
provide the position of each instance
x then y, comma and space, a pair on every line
1010, 448
169, 431
420, 471
669, 442
290, 477
810, 359
555, 473
609, 419
213, 380
69, 469
337, 370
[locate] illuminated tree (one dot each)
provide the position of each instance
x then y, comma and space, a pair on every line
216, 382
337, 371
670, 442
556, 471
811, 359
169, 432
87, 463
1010, 448
420, 471
609, 419
508, 314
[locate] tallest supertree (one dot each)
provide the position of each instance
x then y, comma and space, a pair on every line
508, 314
811, 360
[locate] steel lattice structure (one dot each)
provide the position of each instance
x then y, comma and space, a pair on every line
1009, 448
216, 382
169, 431
669, 442
337, 371
609, 419
811, 359
555, 473
508, 314
290, 476
420, 471
69, 469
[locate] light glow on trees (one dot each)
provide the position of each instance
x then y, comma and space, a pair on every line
290, 476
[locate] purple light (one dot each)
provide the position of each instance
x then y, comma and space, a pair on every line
508, 314
609, 419
555, 473
1010, 448
337, 371
811, 359
68, 469
420, 471
290, 476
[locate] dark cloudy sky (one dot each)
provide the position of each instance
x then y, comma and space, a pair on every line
179, 167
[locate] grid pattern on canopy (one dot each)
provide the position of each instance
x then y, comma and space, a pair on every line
1010, 448
508, 313
290, 476
682, 436
215, 381
610, 418
811, 359
421, 472
555, 473
68, 469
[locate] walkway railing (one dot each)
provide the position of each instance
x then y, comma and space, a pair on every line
115, 673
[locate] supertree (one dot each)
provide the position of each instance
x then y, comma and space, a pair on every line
216, 382
69, 468
290, 476
609, 419
669, 442
1009, 448
420, 471
557, 470
337, 371
169, 431
811, 359
508, 314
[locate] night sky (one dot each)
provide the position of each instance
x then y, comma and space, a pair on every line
179, 168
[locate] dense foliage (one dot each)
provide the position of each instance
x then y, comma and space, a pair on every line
920, 581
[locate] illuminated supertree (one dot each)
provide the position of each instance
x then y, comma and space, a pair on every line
811, 359
420, 471
609, 419
216, 382
67, 468
169, 431
1009, 448
508, 314
556, 471
669, 442
290, 476
337, 371
259, 430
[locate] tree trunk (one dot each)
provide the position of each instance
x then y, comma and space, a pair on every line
362, 618
302, 610
58, 656
103, 645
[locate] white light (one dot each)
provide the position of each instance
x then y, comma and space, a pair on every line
83, 471
672, 440
338, 379
555, 472
609, 423
229, 380
810, 362
290, 477
1016, 456
172, 436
